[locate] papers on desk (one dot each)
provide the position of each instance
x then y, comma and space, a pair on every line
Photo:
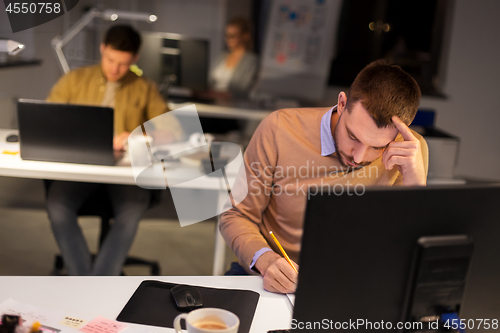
31, 314
72, 322
9, 148
53, 321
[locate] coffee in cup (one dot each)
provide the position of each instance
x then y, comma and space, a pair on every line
206, 320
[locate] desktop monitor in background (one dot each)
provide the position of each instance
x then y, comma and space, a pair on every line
175, 60
180, 66
401, 255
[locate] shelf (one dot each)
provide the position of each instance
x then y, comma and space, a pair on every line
20, 62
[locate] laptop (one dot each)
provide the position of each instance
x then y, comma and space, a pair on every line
66, 133
363, 267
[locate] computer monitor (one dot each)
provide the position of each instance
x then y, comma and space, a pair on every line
176, 60
362, 259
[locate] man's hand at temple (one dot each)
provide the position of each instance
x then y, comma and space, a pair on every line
279, 276
406, 156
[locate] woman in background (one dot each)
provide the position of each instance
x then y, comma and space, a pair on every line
235, 71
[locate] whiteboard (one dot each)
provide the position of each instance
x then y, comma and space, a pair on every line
298, 48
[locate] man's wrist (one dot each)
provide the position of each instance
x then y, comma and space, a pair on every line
421, 181
265, 260
256, 257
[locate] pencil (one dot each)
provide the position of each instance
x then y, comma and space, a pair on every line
283, 251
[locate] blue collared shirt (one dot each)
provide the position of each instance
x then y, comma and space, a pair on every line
327, 140
327, 148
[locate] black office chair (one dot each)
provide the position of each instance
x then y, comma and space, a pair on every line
99, 204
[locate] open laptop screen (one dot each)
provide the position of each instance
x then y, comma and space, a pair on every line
65, 132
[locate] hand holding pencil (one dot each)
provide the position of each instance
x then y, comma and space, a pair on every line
280, 273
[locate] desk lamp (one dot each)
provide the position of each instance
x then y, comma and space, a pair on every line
110, 15
10, 47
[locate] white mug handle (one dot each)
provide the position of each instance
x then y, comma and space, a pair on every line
197, 139
177, 322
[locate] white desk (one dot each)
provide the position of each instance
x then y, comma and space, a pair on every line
106, 296
14, 166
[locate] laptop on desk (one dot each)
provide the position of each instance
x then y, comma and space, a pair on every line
66, 133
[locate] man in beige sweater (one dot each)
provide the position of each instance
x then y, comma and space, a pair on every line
362, 141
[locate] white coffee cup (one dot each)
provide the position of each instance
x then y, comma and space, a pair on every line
208, 320
139, 148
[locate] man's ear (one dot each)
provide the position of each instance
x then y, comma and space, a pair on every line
136, 58
101, 48
341, 103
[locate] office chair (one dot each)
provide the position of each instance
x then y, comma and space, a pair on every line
100, 205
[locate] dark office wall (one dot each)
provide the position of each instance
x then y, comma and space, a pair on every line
470, 83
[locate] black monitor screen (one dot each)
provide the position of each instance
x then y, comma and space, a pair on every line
176, 60
370, 259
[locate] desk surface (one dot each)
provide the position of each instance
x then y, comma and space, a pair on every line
14, 166
106, 296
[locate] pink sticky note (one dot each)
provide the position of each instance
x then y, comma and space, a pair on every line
103, 325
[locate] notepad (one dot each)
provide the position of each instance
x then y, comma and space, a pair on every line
103, 325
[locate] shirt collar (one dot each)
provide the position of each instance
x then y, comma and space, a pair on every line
327, 140
125, 79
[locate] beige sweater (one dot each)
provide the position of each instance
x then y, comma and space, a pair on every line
281, 161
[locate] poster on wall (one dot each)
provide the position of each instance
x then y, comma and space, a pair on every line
297, 48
